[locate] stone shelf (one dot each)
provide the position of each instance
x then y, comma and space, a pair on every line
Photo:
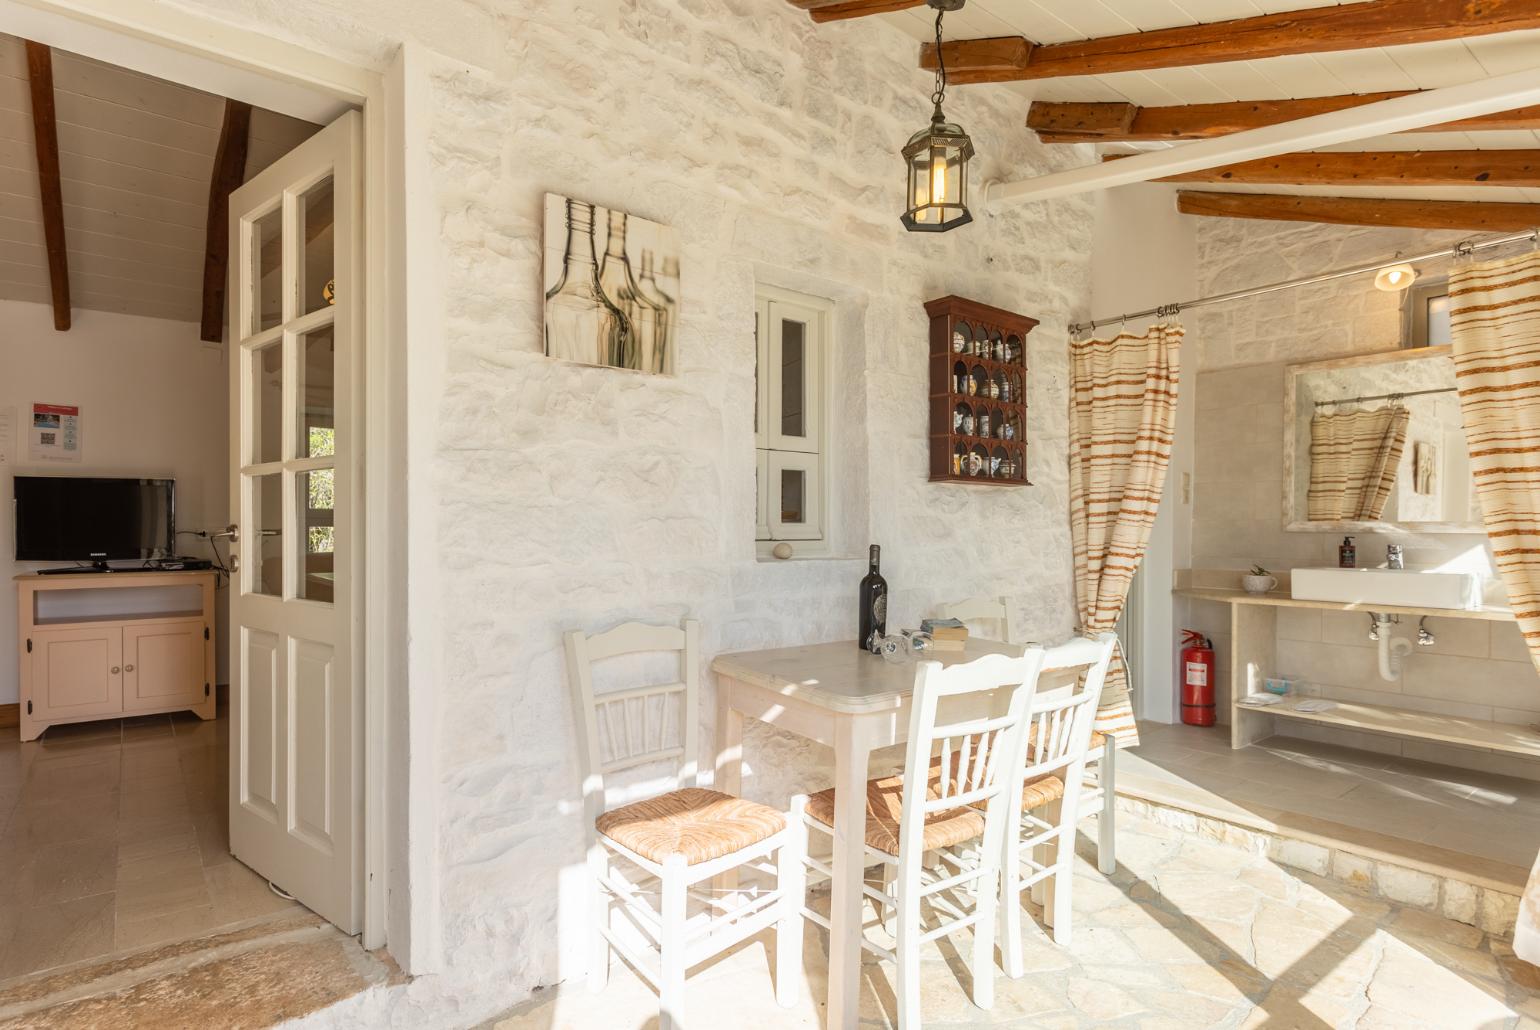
1403, 722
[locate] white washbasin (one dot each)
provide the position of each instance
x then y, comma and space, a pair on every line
1404, 588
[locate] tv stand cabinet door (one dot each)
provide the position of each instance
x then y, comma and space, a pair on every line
163, 666
77, 673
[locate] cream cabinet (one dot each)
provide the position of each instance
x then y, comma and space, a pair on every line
106, 645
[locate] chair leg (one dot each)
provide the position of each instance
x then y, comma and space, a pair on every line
1010, 905
598, 945
889, 912
908, 946
1063, 880
1106, 823
791, 878
671, 947
983, 969
1049, 856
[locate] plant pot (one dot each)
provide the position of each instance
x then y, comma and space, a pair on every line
1258, 584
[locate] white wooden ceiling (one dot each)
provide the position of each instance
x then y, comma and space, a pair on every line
136, 155
1420, 66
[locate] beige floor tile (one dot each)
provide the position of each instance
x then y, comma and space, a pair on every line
52, 935
51, 822
161, 894
160, 927
238, 893
162, 856
69, 776
65, 872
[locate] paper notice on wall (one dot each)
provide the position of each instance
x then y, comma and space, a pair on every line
54, 434
7, 435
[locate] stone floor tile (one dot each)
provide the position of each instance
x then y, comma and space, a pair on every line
52, 935
1417, 985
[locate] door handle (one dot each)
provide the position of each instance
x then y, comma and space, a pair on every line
231, 533
235, 563
116, 670
128, 668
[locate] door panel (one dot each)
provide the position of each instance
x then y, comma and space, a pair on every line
163, 665
77, 673
296, 812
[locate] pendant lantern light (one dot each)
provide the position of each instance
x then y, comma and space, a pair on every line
937, 158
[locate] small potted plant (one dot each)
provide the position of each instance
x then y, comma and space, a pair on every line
1258, 580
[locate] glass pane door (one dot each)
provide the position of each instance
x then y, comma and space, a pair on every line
289, 377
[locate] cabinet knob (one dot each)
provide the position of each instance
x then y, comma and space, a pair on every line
128, 668
116, 670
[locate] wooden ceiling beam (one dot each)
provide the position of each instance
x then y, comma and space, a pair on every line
1412, 214
229, 173
1129, 123
45, 136
1375, 23
1377, 168
838, 10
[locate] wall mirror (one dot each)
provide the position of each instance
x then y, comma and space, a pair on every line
1376, 443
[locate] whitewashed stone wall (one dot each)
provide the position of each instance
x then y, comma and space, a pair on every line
1477, 669
574, 497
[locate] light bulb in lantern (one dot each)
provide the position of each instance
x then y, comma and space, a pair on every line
1396, 277
938, 177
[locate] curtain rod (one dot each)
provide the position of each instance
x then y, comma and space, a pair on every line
1388, 396
1462, 249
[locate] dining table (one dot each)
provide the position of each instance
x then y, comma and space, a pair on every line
855, 702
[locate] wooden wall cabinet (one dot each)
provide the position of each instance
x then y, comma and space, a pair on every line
142, 644
978, 382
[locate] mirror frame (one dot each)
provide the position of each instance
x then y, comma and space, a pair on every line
1291, 523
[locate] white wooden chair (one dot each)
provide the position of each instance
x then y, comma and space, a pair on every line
1043, 849
670, 846
1098, 795
962, 776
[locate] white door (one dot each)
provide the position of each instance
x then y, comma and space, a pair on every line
296, 712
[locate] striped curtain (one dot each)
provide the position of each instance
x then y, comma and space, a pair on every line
1122, 415
1495, 331
1354, 456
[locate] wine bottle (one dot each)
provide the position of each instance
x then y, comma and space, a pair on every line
873, 606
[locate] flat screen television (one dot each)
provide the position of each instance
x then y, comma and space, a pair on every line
67, 518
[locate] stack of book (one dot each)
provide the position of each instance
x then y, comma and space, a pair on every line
945, 634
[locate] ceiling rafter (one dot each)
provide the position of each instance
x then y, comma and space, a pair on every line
229, 173
837, 10
45, 133
1459, 215
1129, 123
1375, 168
1357, 26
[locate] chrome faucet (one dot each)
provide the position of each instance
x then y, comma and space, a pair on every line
1393, 557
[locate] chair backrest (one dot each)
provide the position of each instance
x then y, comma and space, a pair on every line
635, 726
980, 746
999, 611
1061, 719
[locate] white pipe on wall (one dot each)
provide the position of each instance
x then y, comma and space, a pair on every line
1413, 111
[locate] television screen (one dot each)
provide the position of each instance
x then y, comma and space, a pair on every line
61, 518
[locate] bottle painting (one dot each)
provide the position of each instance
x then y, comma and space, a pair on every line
578, 314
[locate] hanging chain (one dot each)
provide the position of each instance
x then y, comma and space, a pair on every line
940, 93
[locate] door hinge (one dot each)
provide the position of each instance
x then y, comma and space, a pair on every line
29, 645
29, 707
205, 690
205, 632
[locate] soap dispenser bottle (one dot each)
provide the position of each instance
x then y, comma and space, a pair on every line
1347, 554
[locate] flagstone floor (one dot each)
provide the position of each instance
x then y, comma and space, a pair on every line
1186, 934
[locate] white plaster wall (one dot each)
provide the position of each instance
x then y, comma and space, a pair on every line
1477, 669
153, 403
573, 497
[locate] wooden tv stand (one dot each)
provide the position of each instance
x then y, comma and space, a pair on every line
109, 645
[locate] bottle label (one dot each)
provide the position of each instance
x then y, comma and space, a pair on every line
1197, 674
880, 609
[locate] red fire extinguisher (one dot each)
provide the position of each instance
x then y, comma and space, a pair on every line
1197, 679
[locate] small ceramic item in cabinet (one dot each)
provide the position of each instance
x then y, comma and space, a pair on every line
967, 425
983, 424
959, 341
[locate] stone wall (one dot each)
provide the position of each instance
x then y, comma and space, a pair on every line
1477, 669
578, 497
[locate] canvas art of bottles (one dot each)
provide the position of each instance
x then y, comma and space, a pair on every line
612, 287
